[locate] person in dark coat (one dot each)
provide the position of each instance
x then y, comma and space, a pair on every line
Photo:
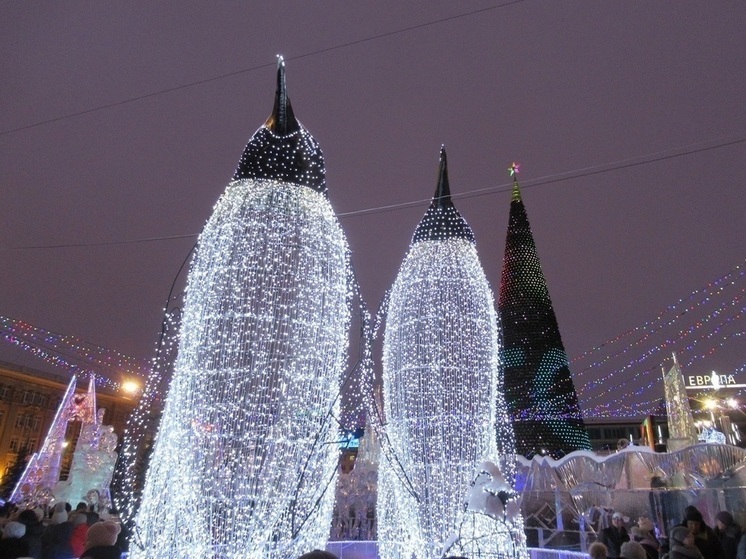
728, 532
55, 540
34, 529
682, 545
101, 541
12, 545
318, 554
614, 536
705, 537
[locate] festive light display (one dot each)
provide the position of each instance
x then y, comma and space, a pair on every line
493, 513
444, 412
242, 464
92, 466
142, 424
538, 385
72, 354
681, 429
624, 373
355, 506
37, 484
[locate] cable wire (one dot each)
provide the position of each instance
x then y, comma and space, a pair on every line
654, 157
259, 67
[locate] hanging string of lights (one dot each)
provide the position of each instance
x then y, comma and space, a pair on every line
79, 357
669, 342
73, 354
696, 328
718, 285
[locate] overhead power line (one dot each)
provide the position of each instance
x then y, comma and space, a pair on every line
259, 67
541, 181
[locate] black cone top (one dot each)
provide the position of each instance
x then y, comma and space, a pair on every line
282, 149
282, 121
442, 220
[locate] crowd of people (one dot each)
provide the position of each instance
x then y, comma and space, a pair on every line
62, 533
691, 539
59, 532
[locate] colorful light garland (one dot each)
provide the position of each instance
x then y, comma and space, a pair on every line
73, 354
695, 327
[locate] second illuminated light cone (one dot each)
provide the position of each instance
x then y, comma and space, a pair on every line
442, 391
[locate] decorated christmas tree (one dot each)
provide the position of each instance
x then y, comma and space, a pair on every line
444, 411
539, 390
243, 464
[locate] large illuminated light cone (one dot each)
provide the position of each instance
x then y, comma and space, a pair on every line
242, 464
442, 389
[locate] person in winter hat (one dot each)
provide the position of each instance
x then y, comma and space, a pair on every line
644, 534
101, 541
728, 532
705, 537
12, 545
614, 536
682, 545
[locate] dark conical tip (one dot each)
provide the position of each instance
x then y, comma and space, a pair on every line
282, 149
442, 221
443, 190
282, 121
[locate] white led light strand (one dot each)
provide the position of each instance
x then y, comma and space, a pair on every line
444, 412
241, 462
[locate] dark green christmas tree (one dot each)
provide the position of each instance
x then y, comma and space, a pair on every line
539, 391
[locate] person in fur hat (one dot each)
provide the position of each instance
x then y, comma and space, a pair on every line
644, 534
101, 541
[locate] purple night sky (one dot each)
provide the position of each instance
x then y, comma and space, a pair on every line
561, 87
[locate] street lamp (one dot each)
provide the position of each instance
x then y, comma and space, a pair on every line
131, 387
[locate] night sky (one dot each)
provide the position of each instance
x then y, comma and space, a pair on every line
565, 88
